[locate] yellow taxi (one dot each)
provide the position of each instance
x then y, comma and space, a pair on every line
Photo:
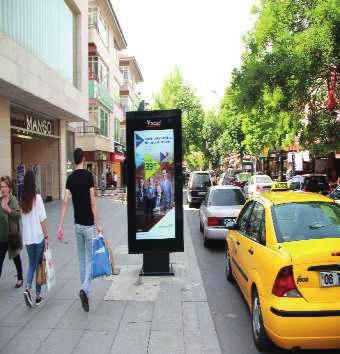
284, 253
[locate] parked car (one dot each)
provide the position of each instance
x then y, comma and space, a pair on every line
310, 183
257, 184
335, 195
283, 252
221, 205
199, 182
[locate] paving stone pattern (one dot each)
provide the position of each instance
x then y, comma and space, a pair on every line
175, 319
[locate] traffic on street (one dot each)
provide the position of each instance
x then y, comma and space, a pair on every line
272, 275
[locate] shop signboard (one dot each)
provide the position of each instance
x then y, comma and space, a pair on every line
20, 174
155, 201
117, 157
42, 126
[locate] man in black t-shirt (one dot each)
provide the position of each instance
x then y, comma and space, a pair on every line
80, 186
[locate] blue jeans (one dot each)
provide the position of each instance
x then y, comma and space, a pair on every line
35, 253
85, 235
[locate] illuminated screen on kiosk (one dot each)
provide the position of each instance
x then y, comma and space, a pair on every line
155, 184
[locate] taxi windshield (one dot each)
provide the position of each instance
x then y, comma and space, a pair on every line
305, 221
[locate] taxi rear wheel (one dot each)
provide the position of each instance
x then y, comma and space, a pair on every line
228, 271
261, 339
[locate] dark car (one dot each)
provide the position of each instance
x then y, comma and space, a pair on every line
198, 185
310, 183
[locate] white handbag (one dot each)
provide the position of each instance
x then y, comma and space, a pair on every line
49, 269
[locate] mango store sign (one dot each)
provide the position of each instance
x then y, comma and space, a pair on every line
42, 126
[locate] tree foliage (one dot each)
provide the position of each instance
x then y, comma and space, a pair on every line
176, 94
278, 94
281, 85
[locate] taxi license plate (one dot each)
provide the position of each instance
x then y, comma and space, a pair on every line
328, 279
201, 193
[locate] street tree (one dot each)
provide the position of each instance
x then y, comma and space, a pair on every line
176, 94
281, 87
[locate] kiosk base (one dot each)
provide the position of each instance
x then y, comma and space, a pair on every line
155, 264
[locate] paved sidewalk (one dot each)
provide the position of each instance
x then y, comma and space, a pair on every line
128, 314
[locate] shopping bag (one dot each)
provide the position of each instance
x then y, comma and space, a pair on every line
108, 247
101, 263
49, 270
41, 272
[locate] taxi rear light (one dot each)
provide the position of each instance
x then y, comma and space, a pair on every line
213, 221
335, 254
284, 285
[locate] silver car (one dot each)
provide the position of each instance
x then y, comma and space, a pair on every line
257, 184
221, 205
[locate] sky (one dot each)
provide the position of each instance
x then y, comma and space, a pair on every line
201, 37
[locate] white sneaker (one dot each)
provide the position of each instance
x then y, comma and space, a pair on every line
28, 298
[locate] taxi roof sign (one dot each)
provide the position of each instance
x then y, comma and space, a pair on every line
279, 186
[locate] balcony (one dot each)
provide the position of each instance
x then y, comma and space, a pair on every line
89, 138
87, 130
101, 94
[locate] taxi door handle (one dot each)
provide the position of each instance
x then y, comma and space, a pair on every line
238, 243
251, 251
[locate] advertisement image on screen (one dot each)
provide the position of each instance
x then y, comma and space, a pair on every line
155, 206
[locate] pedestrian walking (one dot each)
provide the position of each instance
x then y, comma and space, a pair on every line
34, 234
80, 186
10, 236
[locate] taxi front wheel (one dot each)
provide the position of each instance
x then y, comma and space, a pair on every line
261, 339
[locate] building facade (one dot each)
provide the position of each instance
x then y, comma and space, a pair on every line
43, 87
129, 94
100, 136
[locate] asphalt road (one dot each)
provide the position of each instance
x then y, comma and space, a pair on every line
230, 312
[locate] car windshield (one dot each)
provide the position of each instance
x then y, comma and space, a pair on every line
263, 179
226, 197
200, 180
305, 221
